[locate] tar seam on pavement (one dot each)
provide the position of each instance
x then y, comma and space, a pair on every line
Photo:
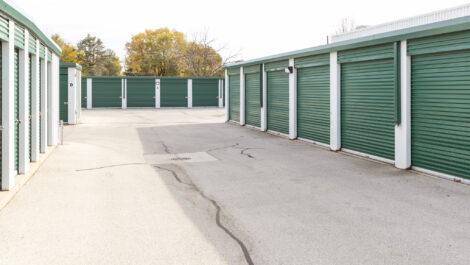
191, 185
117, 165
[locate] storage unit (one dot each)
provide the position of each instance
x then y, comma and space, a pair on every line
16, 115
234, 94
107, 93
397, 92
367, 100
174, 93
278, 97
70, 92
313, 98
84, 92
150, 91
205, 92
21, 108
253, 95
440, 103
140, 93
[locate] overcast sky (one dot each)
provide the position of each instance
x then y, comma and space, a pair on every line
254, 27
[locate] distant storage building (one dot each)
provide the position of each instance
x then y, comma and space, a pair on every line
151, 92
397, 92
29, 93
70, 92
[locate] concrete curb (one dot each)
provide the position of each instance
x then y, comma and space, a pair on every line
21, 180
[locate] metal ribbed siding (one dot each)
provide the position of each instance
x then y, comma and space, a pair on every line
174, 93
64, 94
19, 37
32, 44
4, 29
440, 112
234, 97
106, 93
40, 103
141, 93
252, 104
30, 117
313, 103
441, 43
42, 51
367, 107
49, 56
16, 107
278, 101
84, 92
1, 107
205, 93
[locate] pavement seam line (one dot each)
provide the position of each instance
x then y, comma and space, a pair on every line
109, 166
214, 203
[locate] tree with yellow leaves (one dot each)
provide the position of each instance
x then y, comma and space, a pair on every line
155, 53
69, 52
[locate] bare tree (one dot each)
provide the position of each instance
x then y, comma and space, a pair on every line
346, 25
201, 58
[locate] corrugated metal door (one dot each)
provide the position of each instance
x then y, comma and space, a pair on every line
40, 103
234, 97
84, 92
313, 103
64, 94
205, 92
278, 101
252, 93
17, 107
173, 93
440, 112
30, 116
106, 93
1, 105
367, 107
140, 93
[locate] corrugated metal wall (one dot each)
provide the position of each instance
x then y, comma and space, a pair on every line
141, 93
106, 93
205, 92
174, 93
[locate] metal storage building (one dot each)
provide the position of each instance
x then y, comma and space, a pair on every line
70, 92
151, 92
29, 93
397, 92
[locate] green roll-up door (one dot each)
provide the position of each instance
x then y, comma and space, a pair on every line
174, 93
17, 107
64, 94
367, 107
313, 103
40, 103
234, 97
140, 93
252, 104
205, 92
440, 112
106, 93
278, 101
84, 92
1, 104
30, 116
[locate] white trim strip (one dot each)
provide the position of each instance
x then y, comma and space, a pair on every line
442, 175
378, 158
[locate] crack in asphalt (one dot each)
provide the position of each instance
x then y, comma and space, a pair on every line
194, 187
242, 152
165, 147
223, 147
109, 166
